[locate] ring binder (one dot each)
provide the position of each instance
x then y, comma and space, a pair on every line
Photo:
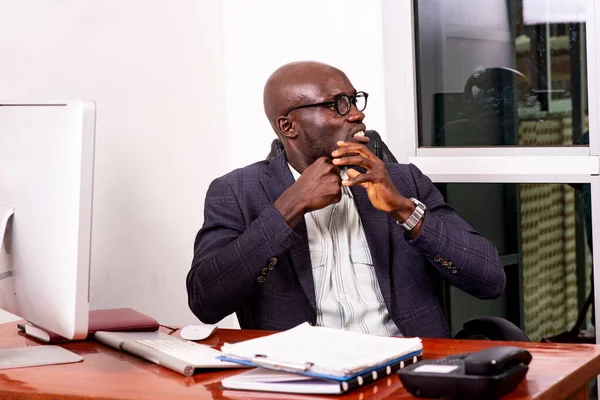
261, 360
278, 380
340, 360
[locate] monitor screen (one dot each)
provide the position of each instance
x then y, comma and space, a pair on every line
46, 188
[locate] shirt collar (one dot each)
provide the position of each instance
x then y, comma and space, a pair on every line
297, 174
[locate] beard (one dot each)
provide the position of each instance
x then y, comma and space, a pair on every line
317, 148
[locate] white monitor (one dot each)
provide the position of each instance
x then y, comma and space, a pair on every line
46, 182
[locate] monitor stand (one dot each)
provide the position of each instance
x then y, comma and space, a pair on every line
28, 356
34, 356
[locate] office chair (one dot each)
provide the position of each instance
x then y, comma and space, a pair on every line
492, 328
485, 113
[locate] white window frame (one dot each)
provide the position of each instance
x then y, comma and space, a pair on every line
487, 164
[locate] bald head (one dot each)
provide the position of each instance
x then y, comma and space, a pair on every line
294, 84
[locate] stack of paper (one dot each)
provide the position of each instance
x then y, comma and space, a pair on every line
309, 359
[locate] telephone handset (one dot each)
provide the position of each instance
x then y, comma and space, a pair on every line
486, 374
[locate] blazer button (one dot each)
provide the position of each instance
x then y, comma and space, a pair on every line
273, 261
260, 279
264, 271
438, 258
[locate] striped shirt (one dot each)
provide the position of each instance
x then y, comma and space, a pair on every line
346, 288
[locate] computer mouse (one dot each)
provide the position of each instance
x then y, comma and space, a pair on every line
197, 332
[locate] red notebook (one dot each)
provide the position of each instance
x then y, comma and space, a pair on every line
115, 319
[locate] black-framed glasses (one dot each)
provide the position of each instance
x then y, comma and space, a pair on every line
342, 104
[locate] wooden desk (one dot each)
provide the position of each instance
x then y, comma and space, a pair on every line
558, 371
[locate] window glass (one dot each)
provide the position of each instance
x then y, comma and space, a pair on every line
489, 76
543, 237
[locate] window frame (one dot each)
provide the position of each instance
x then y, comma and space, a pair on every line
501, 164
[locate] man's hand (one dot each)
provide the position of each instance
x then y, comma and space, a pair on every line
376, 180
319, 186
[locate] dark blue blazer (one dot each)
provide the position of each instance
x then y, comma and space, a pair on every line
248, 260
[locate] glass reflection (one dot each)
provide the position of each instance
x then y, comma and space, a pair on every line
541, 232
488, 77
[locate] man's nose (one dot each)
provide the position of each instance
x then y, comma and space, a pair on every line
355, 115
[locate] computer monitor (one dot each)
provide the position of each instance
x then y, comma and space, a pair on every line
46, 183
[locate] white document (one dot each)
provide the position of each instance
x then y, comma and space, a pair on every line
260, 379
320, 350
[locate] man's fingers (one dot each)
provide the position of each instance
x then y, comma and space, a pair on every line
355, 178
346, 148
325, 160
361, 139
359, 180
353, 160
352, 173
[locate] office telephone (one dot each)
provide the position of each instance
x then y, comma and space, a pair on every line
485, 374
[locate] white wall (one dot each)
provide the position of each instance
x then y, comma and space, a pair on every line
262, 35
178, 87
155, 70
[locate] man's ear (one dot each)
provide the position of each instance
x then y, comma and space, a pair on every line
286, 127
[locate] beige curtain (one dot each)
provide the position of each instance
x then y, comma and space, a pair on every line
548, 240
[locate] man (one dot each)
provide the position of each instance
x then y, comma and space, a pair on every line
305, 238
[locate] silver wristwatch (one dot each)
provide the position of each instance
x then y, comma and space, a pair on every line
415, 217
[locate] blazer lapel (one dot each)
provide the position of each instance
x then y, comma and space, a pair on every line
375, 224
275, 181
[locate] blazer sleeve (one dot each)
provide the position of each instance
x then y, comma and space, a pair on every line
462, 256
229, 254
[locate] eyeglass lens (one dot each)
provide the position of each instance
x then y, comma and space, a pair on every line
343, 103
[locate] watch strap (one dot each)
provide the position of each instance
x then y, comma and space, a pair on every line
415, 217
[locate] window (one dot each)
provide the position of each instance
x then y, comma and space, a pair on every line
497, 102
486, 78
543, 235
